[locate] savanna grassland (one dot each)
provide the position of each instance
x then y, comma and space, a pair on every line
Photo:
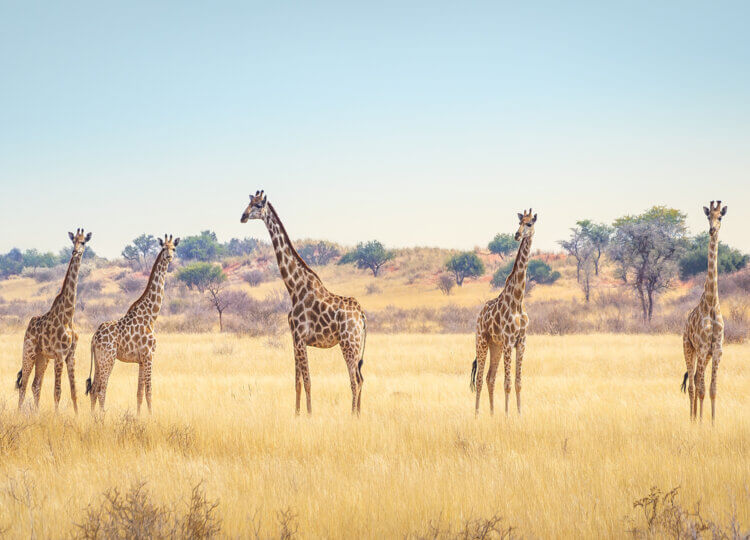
603, 423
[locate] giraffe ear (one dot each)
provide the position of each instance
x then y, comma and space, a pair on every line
724, 211
88, 237
520, 217
534, 220
706, 210
265, 198
71, 236
161, 242
176, 242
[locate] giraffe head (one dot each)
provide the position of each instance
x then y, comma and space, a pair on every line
257, 208
525, 225
168, 246
714, 215
79, 240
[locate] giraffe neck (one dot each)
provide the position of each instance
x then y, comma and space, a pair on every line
517, 279
711, 290
297, 276
149, 303
65, 302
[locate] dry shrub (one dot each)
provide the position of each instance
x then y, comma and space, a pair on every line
445, 283
135, 515
472, 529
131, 284
373, 288
42, 275
12, 428
130, 430
458, 320
254, 277
259, 317
662, 516
181, 437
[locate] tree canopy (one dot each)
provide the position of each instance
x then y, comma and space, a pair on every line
503, 244
537, 271
463, 265
371, 255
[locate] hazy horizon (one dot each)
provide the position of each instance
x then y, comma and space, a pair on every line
423, 124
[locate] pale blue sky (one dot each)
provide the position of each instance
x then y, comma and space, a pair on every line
422, 123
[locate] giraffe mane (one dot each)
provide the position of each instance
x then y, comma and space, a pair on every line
289, 243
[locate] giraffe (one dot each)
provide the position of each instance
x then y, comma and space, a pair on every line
502, 323
318, 318
52, 335
131, 339
704, 330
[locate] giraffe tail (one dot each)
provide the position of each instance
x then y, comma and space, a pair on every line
473, 382
18, 379
88, 381
684, 382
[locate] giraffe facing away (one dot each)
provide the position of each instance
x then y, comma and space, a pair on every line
502, 323
318, 317
131, 339
704, 330
52, 336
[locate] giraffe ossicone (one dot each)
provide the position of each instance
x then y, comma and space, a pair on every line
318, 317
52, 336
131, 339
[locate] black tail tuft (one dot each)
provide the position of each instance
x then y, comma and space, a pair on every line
359, 371
473, 383
88, 386
684, 382
18, 380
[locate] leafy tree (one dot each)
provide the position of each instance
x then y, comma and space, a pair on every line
371, 255
11, 263
463, 265
209, 279
238, 248
537, 271
597, 236
203, 247
35, 259
503, 244
318, 253
646, 249
695, 259
141, 252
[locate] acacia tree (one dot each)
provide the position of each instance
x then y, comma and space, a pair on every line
503, 244
317, 253
140, 252
463, 265
646, 249
210, 280
597, 237
371, 255
576, 246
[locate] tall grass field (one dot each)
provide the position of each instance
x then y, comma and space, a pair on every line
223, 453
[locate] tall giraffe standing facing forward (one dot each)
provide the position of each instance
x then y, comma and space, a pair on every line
704, 330
318, 317
131, 339
502, 323
52, 335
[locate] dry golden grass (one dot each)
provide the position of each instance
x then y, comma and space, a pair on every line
603, 422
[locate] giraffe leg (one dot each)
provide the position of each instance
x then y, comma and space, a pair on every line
700, 380
690, 373
715, 359
70, 362
36, 386
103, 371
141, 384
507, 357
28, 362
351, 358
59, 361
495, 353
147, 382
520, 349
481, 358
301, 374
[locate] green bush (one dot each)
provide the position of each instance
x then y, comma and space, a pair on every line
537, 271
695, 259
